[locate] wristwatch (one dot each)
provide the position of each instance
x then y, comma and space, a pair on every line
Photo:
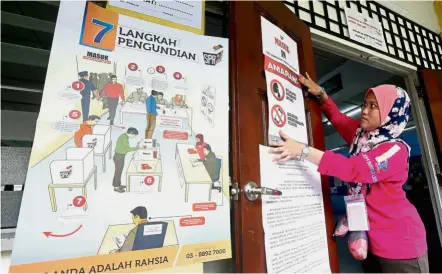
322, 92
305, 153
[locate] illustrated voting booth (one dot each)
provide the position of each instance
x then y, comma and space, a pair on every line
145, 171
74, 172
100, 141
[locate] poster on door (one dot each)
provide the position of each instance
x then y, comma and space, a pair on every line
284, 93
129, 172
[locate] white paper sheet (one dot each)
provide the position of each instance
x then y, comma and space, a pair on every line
294, 223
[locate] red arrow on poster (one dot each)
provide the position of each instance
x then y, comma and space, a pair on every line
48, 233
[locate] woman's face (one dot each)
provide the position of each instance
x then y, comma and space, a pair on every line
370, 114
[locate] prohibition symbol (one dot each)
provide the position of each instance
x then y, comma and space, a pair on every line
279, 117
277, 90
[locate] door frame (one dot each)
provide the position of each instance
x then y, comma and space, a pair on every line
338, 46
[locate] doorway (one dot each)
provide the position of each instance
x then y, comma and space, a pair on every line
346, 81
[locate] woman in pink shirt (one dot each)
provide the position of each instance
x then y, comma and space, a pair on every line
377, 168
200, 145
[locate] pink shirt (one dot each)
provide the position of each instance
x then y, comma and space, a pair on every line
396, 229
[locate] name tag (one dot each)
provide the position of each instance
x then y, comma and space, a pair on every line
357, 213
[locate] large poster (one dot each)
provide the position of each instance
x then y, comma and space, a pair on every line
129, 169
286, 102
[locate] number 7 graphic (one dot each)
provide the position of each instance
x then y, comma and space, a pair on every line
106, 29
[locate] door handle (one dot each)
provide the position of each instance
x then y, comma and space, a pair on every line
252, 191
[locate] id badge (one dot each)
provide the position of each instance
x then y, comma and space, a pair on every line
356, 213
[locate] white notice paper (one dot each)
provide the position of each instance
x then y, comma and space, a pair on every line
365, 30
294, 223
185, 13
152, 229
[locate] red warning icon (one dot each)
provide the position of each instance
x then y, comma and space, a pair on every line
279, 117
277, 90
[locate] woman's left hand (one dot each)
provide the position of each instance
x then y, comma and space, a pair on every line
286, 150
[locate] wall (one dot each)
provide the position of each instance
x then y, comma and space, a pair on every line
421, 12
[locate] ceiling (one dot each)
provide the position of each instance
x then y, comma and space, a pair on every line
326, 62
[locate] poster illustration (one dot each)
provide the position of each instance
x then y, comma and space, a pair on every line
286, 102
129, 169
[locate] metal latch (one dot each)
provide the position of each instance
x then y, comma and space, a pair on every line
252, 191
234, 192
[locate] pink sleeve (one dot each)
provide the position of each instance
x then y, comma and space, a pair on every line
345, 125
387, 162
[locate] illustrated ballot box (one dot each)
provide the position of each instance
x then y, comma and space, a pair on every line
213, 58
146, 159
76, 168
145, 170
74, 172
100, 142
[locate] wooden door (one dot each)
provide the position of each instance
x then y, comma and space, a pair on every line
250, 120
432, 81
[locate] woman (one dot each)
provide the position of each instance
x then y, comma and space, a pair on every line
200, 145
377, 168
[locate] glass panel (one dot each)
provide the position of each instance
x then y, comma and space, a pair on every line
388, 37
318, 7
305, 16
332, 13
398, 41
320, 22
334, 27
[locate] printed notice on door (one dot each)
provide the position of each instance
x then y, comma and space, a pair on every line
286, 102
294, 223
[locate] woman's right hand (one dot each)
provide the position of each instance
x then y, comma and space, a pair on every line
313, 88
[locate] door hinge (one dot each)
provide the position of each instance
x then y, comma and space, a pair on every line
234, 191
438, 174
420, 91
437, 169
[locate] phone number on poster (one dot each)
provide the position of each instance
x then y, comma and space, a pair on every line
205, 253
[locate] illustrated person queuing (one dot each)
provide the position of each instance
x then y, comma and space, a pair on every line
377, 169
121, 149
85, 128
113, 91
86, 94
139, 217
138, 96
151, 114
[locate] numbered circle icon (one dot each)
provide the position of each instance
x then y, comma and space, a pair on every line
177, 76
161, 69
78, 85
149, 180
74, 114
132, 67
79, 201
